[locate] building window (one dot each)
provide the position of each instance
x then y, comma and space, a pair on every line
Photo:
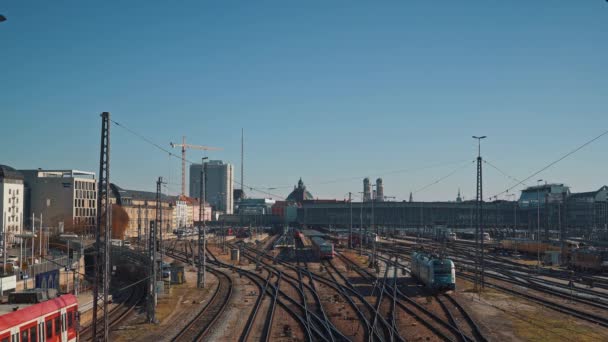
10, 191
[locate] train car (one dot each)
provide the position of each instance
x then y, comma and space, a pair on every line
54, 320
533, 247
434, 272
590, 259
339, 241
322, 249
243, 233
471, 236
370, 238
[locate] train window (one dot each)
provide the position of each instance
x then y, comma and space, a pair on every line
4, 339
49, 329
33, 335
70, 319
57, 326
25, 336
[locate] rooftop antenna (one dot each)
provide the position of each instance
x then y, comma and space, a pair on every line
242, 160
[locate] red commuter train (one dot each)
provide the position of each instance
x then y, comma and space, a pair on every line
54, 320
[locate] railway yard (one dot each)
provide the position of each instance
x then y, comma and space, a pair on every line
297, 293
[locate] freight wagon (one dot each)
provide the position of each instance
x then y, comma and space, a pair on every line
590, 259
533, 247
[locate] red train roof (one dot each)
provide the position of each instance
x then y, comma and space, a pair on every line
32, 312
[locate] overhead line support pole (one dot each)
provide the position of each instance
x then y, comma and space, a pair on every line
201, 274
102, 248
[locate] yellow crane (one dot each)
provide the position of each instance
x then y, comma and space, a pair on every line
185, 146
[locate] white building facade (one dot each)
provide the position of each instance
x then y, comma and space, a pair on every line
180, 214
11, 203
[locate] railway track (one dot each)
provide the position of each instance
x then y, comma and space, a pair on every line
456, 314
118, 313
523, 276
346, 291
437, 326
460, 318
276, 293
311, 288
516, 288
319, 326
201, 325
358, 306
254, 313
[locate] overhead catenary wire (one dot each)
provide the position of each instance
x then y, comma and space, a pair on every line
446, 176
553, 163
503, 172
171, 154
376, 174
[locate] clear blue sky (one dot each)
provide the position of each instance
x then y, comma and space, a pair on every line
324, 89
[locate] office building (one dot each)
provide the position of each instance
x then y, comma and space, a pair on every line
219, 187
65, 198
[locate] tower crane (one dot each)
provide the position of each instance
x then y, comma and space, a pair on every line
185, 146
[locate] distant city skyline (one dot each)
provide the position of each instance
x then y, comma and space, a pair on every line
325, 92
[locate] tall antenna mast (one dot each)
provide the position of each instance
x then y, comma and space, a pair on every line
242, 160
